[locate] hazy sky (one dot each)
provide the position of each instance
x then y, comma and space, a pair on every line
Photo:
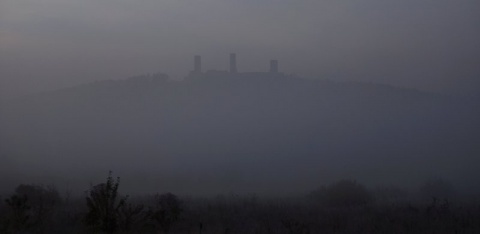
428, 44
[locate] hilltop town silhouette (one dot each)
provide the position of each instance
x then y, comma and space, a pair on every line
232, 72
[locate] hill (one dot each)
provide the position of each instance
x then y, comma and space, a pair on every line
246, 133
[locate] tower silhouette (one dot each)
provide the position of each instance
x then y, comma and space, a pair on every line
233, 63
197, 67
274, 66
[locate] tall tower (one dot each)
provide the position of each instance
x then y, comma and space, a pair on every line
273, 66
233, 63
197, 66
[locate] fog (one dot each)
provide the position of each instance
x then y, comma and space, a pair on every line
217, 132
429, 45
384, 92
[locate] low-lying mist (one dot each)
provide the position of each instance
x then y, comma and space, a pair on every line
243, 133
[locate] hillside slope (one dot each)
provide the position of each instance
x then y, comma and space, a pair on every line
248, 134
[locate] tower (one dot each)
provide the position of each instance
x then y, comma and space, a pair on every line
273, 66
197, 64
233, 63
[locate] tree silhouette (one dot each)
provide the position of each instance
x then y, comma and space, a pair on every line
104, 205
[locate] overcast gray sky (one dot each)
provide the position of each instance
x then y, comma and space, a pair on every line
428, 44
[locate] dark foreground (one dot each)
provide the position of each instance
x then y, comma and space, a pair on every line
342, 207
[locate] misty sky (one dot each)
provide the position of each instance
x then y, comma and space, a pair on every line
430, 44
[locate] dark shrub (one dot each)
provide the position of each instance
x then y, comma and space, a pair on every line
166, 212
389, 194
39, 195
104, 205
437, 188
345, 193
130, 216
32, 206
18, 218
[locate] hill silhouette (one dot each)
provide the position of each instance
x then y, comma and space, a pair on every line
243, 133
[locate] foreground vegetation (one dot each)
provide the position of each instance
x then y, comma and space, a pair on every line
342, 207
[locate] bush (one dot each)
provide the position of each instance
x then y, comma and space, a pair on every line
437, 188
104, 205
131, 216
31, 207
166, 212
19, 213
389, 194
345, 193
39, 195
